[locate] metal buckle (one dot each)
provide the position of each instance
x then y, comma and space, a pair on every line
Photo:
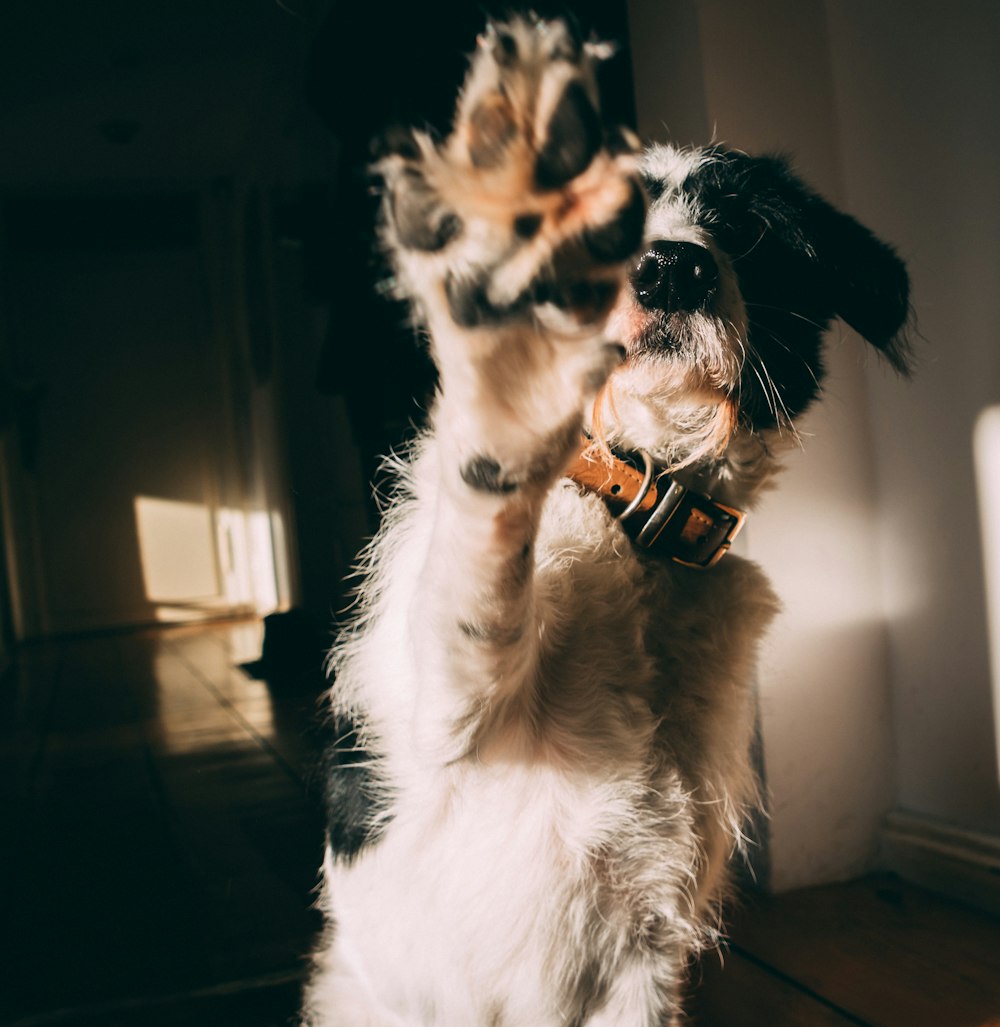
647, 480
697, 530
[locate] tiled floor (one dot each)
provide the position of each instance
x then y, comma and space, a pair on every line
165, 838
162, 832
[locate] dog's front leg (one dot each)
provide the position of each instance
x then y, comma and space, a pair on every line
510, 239
499, 446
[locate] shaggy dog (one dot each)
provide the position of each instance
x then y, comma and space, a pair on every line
550, 670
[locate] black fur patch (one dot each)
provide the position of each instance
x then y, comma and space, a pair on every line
484, 474
354, 794
422, 223
505, 51
618, 140
467, 303
573, 137
800, 263
655, 187
526, 225
395, 140
621, 237
566, 281
470, 307
588, 298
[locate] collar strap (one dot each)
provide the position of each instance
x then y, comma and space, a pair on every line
657, 512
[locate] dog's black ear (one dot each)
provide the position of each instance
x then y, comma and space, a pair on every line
868, 283
769, 214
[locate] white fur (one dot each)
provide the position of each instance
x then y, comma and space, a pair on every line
563, 725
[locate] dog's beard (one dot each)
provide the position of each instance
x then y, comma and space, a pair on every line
677, 394
665, 405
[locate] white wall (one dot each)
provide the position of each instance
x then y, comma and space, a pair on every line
918, 87
874, 686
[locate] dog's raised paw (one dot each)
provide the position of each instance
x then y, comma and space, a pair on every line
529, 205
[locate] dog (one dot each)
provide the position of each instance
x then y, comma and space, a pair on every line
546, 691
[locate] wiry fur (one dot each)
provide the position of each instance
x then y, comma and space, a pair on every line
553, 728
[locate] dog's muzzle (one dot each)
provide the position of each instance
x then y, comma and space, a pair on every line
675, 277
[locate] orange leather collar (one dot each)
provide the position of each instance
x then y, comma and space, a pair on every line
657, 512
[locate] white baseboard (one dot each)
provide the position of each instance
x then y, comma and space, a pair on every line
962, 864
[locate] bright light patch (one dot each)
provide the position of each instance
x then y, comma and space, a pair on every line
247, 557
986, 441
177, 546
196, 558
261, 559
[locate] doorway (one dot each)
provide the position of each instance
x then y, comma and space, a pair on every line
126, 489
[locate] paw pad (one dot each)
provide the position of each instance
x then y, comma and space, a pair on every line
422, 222
573, 137
619, 238
530, 201
484, 474
491, 129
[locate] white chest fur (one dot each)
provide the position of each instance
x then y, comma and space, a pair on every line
601, 801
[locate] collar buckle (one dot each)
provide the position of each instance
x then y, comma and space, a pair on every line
693, 528
658, 513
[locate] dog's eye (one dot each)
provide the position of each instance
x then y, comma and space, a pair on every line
654, 187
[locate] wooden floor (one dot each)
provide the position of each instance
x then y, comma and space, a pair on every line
162, 830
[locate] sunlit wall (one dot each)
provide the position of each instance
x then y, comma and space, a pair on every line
874, 686
198, 558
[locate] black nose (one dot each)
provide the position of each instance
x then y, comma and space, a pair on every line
675, 276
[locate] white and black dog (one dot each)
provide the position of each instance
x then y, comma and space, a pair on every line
550, 671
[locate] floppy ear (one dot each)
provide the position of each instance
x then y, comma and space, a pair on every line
838, 264
866, 281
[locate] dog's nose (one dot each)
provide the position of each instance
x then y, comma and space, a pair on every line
675, 276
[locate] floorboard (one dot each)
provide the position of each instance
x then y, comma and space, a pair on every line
733, 991
166, 840
889, 954
165, 832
